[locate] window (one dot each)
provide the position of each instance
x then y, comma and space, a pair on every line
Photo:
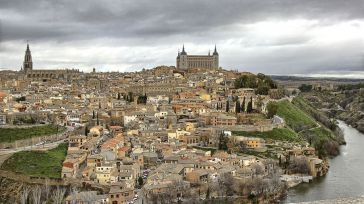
112, 196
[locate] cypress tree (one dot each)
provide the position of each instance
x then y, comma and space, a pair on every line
250, 105
86, 130
227, 106
242, 109
237, 106
97, 119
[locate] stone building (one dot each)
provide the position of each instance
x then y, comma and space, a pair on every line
208, 61
46, 75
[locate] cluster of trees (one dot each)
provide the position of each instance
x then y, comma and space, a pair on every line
26, 120
142, 99
299, 165
129, 97
327, 148
260, 82
42, 194
272, 109
176, 190
240, 108
305, 87
257, 187
254, 187
95, 116
22, 98
223, 141
119, 96
224, 186
350, 86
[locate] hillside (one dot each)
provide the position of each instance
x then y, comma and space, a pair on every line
346, 105
37, 163
299, 118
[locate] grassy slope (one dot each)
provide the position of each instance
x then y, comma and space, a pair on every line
276, 134
37, 163
301, 109
12, 134
294, 117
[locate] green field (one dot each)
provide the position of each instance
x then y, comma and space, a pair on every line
294, 117
13, 134
38, 163
276, 134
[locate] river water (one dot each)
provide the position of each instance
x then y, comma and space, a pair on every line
345, 177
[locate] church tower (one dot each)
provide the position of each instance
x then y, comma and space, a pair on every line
28, 63
215, 56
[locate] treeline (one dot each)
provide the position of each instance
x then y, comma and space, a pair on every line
141, 99
344, 87
260, 82
305, 87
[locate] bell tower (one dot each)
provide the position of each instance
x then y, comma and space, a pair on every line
28, 63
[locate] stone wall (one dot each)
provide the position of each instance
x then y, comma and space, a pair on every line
33, 141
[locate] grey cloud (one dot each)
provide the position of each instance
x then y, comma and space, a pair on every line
156, 23
151, 19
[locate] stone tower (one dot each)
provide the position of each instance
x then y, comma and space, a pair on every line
28, 63
215, 56
182, 62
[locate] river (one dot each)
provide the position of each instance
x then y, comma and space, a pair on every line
345, 177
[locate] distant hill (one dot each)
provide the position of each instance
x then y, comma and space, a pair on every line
314, 79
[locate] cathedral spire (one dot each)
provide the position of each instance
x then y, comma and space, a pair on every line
28, 63
215, 51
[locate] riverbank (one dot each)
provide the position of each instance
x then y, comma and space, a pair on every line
344, 179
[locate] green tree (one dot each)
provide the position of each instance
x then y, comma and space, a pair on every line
208, 193
237, 106
242, 109
22, 98
130, 96
222, 142
249, 108
140, 181
227, 106
305, 88
262, 90
97, 119
272, 108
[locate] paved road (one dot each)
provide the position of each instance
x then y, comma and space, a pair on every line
33, 147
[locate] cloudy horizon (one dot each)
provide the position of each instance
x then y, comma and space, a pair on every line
272, 37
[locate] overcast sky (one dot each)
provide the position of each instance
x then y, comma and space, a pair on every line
273, 37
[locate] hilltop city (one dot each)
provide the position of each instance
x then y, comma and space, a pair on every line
192, 132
